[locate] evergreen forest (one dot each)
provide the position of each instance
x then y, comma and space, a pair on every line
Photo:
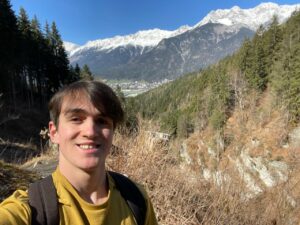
33, 61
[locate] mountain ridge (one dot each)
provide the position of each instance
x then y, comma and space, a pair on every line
252, 17
157, 54
284, 12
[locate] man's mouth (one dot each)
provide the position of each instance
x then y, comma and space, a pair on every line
88, 146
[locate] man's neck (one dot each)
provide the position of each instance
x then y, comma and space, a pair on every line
92, 186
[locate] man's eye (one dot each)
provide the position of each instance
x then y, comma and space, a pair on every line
103, 121
75, 119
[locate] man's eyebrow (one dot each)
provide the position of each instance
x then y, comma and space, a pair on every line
74, 111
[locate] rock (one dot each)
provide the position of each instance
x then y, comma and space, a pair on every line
294, 137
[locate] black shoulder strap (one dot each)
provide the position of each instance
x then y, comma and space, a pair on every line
132, 195
43, 202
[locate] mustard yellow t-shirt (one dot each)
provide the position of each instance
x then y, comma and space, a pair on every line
73, 209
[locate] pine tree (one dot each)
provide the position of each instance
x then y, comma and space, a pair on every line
273, 37
76, 75
86, 73
39, 57
260, 68
253, 61
245, 55
27, 55
294, 89
56, 41
219, 99
8, 50
47, 34
286, 69
59, 74
51, 80
73, 75
77, 70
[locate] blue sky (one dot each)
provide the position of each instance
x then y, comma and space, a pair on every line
82, 20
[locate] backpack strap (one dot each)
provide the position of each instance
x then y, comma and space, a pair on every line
133, 196
43, 202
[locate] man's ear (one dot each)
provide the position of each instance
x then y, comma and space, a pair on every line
53, 132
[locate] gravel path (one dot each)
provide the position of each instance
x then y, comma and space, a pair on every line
42, 167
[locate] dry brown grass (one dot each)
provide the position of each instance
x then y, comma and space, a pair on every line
181, 197
12, 178
16, 152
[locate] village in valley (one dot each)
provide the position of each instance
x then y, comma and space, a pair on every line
134, 88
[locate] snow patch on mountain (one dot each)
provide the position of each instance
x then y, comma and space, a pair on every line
251, 18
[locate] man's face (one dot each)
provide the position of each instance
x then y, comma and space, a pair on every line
84, 136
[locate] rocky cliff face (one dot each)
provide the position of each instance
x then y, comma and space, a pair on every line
255, 149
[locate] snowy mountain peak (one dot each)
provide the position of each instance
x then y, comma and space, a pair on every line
235, 17
252, 18
180, 30
236, 8
144, 38
69, 46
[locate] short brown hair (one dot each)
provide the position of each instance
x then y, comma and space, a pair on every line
100, 95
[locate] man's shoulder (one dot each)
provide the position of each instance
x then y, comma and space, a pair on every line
15, 209
19, 196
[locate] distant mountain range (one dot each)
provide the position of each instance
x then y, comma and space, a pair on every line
156, 54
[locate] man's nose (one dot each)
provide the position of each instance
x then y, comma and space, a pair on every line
90, 128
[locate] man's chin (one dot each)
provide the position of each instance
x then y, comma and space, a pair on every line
91, 168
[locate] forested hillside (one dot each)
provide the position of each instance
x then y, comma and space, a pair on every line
33, 61
234, 125
269, 63
33, 65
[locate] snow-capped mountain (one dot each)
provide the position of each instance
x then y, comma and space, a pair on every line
157, 54
252, 18
181, 54
145, 38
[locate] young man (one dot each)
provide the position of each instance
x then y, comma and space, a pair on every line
83, 116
